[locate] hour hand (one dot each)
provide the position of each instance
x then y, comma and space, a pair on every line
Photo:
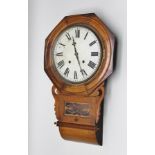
77, 56
74, 43
76, 53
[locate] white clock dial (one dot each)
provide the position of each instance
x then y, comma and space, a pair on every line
77, 54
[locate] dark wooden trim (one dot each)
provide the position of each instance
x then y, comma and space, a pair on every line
79, 126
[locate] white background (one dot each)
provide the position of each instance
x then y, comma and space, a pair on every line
14, 84
44, 137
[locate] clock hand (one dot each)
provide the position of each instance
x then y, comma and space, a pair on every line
77, 56
76, 53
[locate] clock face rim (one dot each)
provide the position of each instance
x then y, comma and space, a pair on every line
93, 22
101, 59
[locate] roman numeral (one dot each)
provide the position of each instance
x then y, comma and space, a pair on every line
92, 43
59, 54
91, 64
77, 33
68, 36
86, 36
61, 64
62, 44
83, 72
66, 71
94, 53
75, 75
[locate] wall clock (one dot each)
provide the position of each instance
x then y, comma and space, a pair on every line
78, 59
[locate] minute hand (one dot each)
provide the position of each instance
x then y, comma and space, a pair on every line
76, 54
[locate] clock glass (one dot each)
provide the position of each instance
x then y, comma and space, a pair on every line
77, 54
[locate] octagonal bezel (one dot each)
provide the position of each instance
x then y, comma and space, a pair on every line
92, 22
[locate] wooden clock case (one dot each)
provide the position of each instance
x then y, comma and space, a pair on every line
77, 127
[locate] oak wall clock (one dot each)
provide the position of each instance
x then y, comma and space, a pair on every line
78, 59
